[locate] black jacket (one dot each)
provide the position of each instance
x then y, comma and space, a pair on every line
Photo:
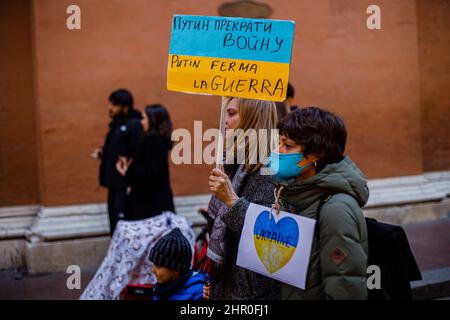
148, 177
122, 139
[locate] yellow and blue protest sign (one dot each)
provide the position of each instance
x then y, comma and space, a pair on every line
276, 245
240, 57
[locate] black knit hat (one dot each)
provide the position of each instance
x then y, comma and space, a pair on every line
172, 251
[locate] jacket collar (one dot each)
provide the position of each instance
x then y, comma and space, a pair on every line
123, 118
164, 291
340, 177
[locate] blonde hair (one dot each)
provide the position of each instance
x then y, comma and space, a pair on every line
257, 115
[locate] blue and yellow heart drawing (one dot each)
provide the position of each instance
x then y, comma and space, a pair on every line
275, 242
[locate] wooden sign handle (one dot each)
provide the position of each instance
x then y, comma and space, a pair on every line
220, 146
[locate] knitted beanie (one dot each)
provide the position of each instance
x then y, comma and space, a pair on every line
172, 251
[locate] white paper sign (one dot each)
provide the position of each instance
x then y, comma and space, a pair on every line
277, 246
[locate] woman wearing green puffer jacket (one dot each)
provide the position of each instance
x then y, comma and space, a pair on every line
312, 170
311, 165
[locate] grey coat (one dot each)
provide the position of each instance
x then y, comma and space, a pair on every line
230, 281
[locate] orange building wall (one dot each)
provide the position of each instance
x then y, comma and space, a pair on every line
18, 151
371, 78
434, 60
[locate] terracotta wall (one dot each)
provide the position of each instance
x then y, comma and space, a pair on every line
369, 77
434, 59
18, 152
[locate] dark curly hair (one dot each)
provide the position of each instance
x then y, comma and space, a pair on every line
122, 97
318, 131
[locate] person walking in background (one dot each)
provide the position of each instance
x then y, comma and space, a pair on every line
282, 109
147, 173
290, 99
285, 107
121, 140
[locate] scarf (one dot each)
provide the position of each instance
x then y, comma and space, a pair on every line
216, 209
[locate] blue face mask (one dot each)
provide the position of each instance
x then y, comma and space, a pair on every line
285, 166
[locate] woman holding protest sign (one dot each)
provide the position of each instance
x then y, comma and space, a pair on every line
241, 177
316, 180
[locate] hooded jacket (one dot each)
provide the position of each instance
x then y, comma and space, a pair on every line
339, 255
